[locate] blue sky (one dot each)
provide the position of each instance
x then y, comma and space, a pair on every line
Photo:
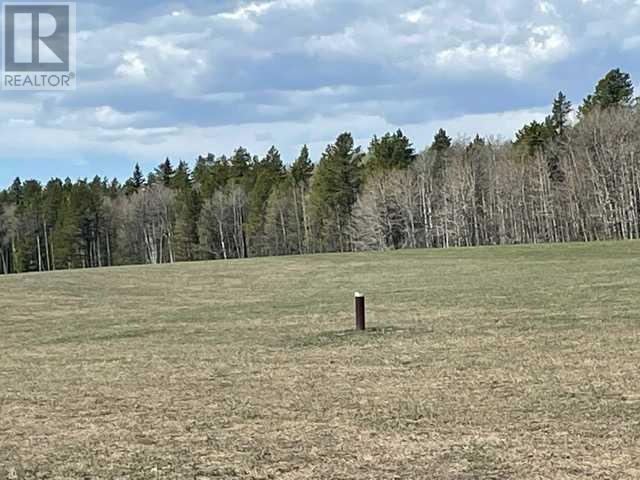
164, 78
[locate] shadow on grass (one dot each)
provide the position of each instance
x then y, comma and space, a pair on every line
354, 337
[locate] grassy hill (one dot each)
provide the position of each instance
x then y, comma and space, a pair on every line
518, 362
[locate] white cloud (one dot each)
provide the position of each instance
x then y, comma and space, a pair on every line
547, 8
201, 76
20, 122
341, 43
107, 116
248, 14
187, 142
418, 16
247, 11
545, 44
132, 67
162, 60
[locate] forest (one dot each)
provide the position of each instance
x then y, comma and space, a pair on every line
573, 177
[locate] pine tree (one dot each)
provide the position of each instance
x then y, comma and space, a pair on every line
615, 89
269, 172
53, 202
211, 174
30, 238
164, 173
562, 108
334, 191
113, 189
301, 173
240, 164
15, 192
302, 167
477, 144
187, 214
136, 182
389, 152
534, 135
4, 237
439, 149
242, 178
441, 141
67, 230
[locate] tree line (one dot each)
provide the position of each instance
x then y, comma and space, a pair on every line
573, 177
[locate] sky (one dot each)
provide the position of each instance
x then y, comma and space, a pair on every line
178, 79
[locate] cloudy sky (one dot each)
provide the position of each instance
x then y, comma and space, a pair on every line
180, 78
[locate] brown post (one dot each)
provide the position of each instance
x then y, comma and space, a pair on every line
360, 313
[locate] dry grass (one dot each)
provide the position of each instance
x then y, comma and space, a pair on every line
493, 363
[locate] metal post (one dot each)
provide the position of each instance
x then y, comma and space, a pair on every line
360, 313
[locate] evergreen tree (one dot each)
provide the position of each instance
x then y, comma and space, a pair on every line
240, 164
389, 152
67, 229
113, 189
136, 182
242, 178
29, 213
334, 191
439, 149
4, 237
302, 167
441, 141
268, 172
562, 108
534, 136
164, 173
301, 173
53, 202
615, 89
15, 192
211, 174
477, 144
187, 214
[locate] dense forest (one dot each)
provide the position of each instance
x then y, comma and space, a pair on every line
573, 177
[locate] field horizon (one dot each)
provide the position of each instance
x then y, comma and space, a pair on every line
484, 362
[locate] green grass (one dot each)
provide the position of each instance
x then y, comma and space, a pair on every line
487, 363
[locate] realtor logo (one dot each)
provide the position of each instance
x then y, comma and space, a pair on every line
39, 51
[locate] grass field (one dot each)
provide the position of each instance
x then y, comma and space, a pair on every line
488, 363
